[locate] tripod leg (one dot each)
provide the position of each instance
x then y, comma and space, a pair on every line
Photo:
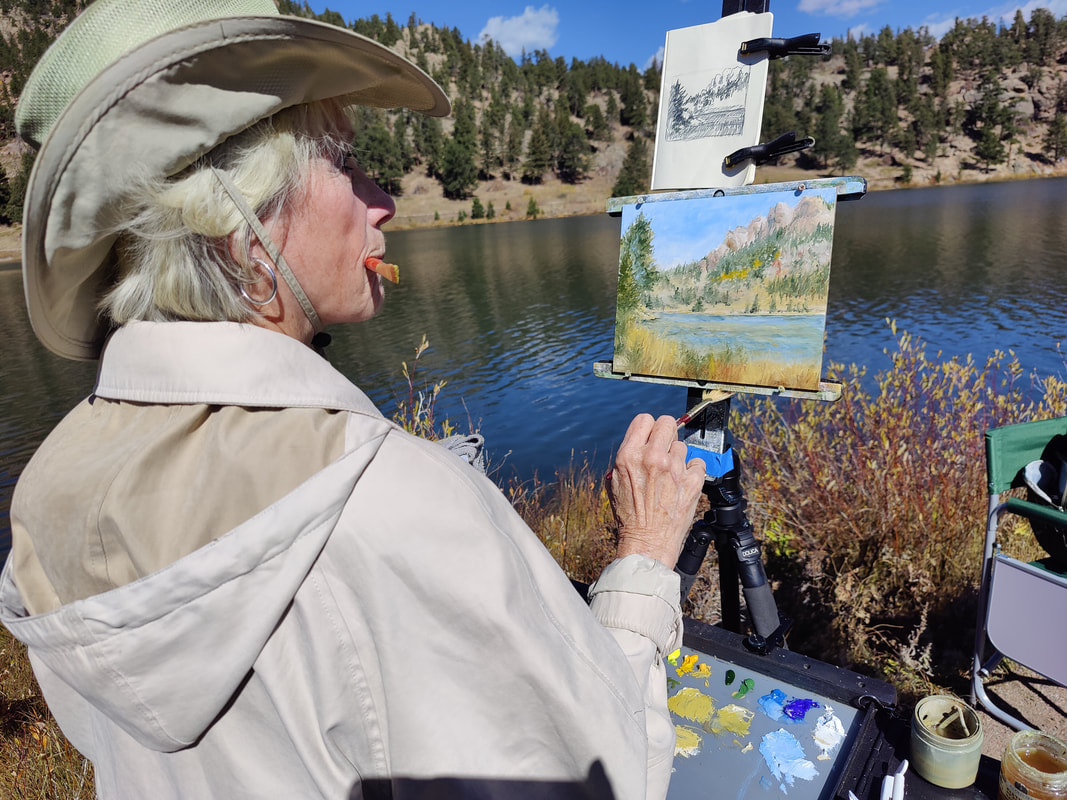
729, 599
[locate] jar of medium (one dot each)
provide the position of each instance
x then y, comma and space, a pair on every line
946, 741
1034, 767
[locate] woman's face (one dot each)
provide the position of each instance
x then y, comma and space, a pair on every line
333, 226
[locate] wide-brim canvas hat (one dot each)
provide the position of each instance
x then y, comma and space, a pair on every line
146, 87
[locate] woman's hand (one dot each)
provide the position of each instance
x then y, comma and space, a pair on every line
653, 492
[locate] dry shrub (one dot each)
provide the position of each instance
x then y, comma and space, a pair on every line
571, 515
872, 509
36, 760
416, 408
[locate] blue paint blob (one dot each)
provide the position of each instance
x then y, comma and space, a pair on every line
766, 783
772, 703
796, 708
785, 758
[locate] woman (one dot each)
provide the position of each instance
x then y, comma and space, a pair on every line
234, 576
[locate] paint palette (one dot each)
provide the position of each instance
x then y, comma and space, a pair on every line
741, 734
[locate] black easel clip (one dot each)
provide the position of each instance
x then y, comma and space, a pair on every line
761, 153
806, 44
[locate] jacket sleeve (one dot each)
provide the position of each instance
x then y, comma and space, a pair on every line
637, 599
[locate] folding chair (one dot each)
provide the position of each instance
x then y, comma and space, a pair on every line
1021, 606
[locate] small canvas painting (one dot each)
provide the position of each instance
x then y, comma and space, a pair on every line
727, 289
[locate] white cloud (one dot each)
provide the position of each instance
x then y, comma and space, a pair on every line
999, 14
837, 8
1006, 12
535, 29
939, 28
857, 32
655, 59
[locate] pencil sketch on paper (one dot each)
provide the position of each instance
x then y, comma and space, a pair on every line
727, 289
712, 105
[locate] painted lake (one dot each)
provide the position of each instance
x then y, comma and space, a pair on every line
785, 337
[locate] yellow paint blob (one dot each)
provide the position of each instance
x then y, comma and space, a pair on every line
692, 704
702, 671
672, 659
686, 741
688, 664
733, 719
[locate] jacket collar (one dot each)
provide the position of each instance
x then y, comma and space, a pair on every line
221, 363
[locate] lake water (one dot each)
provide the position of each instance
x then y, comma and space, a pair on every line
516, 314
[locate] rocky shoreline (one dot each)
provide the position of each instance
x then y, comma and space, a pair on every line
421, 207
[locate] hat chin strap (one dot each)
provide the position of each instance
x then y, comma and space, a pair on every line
239, 200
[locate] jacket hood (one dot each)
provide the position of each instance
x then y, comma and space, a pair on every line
163, 656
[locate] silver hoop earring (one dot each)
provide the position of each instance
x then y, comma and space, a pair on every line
274, 284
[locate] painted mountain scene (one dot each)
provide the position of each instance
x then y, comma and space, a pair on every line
727, 289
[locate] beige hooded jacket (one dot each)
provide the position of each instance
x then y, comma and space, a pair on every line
389, 627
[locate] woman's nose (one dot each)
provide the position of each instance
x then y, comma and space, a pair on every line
380, 206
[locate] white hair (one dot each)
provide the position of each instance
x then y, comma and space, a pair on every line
173, 252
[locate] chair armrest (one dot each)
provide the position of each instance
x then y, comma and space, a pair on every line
1024, 508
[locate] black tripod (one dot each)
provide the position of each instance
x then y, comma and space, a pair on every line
725, 522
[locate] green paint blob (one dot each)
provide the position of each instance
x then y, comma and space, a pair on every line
744, 688
730, 675
673, 684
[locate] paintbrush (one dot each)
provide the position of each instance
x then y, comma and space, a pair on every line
391, 272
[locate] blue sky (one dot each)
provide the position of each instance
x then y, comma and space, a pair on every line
630, 31
686, 230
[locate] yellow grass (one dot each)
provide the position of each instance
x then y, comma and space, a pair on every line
640, 351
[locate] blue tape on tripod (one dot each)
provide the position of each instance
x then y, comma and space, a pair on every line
716, 464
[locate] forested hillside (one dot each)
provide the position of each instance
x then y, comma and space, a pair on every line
543, 135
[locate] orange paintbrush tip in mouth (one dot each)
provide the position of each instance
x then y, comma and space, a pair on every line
391, 272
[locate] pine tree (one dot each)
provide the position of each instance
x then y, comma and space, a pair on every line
635, 174
637, 273
1044, 37
513, 145
677, 111
989, 149
406, 152
611, 108
875, 114
830, 109
845, 154
477, 209
429, 141
487, 149
779, 115
465, 130
853, 66
379, 155
538, 153
598, 129
1056, 137
634, 107
458, 176
572, 161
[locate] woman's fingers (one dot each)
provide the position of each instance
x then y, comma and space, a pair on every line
653, 491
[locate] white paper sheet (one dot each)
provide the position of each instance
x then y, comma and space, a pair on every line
711, 103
